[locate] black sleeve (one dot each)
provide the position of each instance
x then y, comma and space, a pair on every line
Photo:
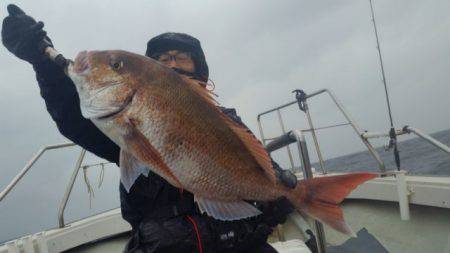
61, 99
231, 113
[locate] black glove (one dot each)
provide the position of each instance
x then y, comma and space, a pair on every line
23, 36
285, 176
275, 212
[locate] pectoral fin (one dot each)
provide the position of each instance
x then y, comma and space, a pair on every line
143, 150
130, 169
222, 210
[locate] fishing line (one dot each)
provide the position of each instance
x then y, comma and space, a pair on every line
392, 133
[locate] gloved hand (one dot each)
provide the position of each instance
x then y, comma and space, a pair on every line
23, 36
275, 212
285, 176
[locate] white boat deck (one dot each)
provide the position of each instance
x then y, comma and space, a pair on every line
430, 197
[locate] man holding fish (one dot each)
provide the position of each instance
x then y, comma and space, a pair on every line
148, 202
190, 170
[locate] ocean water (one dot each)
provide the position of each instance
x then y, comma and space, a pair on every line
417, 156
33, 204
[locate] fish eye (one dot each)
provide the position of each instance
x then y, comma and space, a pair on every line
117, 65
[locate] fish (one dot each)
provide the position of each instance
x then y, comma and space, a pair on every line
173, 125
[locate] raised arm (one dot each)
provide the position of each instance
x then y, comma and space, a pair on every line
23, 37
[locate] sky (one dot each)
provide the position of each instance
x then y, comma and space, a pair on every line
258, 52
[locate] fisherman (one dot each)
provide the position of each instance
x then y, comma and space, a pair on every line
162, 220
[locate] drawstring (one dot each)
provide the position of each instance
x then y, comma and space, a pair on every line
197, 232
210, 85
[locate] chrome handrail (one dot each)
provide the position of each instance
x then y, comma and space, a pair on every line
409, 130
428, 138
298, 137
33, 160
341, 108
363, 135
28, 166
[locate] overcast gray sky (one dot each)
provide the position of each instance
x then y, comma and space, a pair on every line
258, 52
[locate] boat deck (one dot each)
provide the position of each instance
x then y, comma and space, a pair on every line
373, 206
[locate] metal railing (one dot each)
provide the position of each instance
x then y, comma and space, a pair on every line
409, 130
288, 138
69, 187
28, 166
298, 137
62, 206
301, 100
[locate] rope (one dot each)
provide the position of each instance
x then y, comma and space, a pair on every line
88, 185
101, 176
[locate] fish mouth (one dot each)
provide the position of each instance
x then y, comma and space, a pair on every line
119, 110
82, 65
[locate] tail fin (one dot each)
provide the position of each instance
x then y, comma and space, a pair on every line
319, 197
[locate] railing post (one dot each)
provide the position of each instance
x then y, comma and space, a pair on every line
306, 165
303, 105
261, 130
403, 194
291, 160
284, 140
62, 206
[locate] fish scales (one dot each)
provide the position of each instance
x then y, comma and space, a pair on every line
170, 124
203, 149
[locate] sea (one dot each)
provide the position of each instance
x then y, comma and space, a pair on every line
417, 156
33, 207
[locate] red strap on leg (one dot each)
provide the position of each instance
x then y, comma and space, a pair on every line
197, 232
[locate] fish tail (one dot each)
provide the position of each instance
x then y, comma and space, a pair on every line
320, 197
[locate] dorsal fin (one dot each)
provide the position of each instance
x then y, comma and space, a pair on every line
206, 94
248, 139
254, 146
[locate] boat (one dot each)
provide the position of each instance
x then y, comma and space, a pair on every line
395, 212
